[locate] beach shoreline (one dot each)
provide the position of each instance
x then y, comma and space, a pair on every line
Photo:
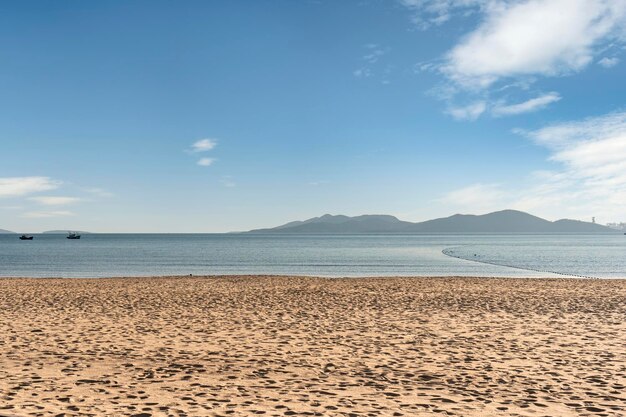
293, 345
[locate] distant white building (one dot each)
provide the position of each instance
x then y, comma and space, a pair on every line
617, 226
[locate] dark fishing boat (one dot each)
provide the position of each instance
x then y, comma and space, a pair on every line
72, 235
26, 237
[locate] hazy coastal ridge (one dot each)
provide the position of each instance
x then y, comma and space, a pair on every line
63, 232
505, 221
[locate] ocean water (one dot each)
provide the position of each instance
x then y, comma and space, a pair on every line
108, 255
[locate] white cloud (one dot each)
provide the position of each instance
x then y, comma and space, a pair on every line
514, 44
589, 178
55, 200
477, 197
469, 112
527, 106
19, 186
593, 150
592, 154
563, 135
534, 37
608, 62
205, 162
204, 145
46, 214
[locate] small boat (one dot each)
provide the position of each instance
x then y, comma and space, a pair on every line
72, 235
26, 237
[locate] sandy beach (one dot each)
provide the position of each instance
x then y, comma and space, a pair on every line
280, 346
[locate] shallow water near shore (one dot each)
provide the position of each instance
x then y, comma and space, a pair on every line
104, 255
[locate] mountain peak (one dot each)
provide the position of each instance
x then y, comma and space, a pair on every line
503, 221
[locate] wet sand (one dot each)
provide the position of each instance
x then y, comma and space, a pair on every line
280, 346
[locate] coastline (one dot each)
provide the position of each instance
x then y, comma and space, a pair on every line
281, 345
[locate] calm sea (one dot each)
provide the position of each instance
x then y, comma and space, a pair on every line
101, 255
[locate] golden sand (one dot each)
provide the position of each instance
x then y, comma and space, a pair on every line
280, 346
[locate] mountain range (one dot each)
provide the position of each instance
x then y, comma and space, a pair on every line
2, 231
505, 221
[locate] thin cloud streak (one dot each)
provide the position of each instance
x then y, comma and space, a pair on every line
534, 104
480, 197
55, 200
46, 214
20, 186
98, 192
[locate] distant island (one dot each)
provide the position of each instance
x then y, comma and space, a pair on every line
49, 232
505, 221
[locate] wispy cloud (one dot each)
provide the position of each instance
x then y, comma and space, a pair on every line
46, 214
469, 112
427, 13
204, 145
98, 192
205, 162
589, 178
362, 72
374, 54
527, 106
55, 200
476, 197
563, 135
369, 60
227, 181
20, 186
318, 183
593, 151
608, 62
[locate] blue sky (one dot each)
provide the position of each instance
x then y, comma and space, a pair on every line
161, 116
